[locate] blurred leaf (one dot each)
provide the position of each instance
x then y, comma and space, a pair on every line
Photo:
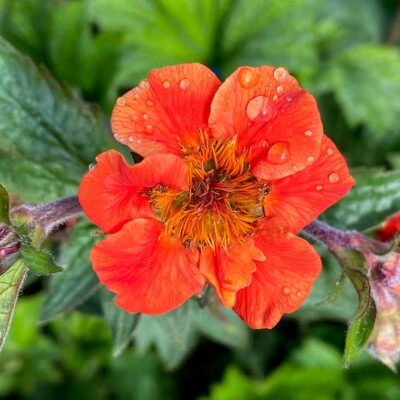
173, 334
4, 206
360, 329
48, 137
221, 324
272, 32
37, 260
366, 82
10, 285
337, 290
375, 196
122, 324
77, 282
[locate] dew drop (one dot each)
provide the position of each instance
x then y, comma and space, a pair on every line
295, 168
145, 116
308, 133
299, 293
139, 141
136, 96
134, 117
279, 153
131, 139
264, 143
149, 103
92, 167
329, 152
279, 89
166, 84
121, 101
281, 74
144, 84
318, 188
289, 99
149, 129
257, 107
184, 83
310, 159
333, 178
275, 97
286, 290
248, 78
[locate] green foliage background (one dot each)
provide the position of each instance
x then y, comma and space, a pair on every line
54, 120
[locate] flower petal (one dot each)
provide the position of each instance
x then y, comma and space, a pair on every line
298, 199
112, 193
168, 108
281, 283
151, 273
230, 270
272, 115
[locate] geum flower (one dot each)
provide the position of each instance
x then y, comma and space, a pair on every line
230, 173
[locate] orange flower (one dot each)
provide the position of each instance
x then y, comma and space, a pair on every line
390, 228
231, 172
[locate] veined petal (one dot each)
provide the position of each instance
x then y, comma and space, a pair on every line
112, 193
281, 283
167, 109
270, 115
231, 269
151, 273
298, 199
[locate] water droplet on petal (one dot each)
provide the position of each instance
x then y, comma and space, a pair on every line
299, 293
329, 152
248, 77
121, 101
184, 83
288, 98
136, 96
92, 167
134, 117
139, 141
264, 143
308, 133
275, 97
279, 153
131, 139
166, 84
149, 103
257, 107
286, 290
310, 159
144, 84
280, 74
295, 168
333, 178
149, 129
318, 188
279, 89
145, 116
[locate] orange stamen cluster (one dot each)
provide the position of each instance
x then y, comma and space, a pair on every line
224, 201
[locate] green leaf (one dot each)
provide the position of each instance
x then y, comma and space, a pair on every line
122, 324
173, 334
4, 206
10, 286
48, 137
360, 329
366, 82
37, 260
336, 291
77, 282
221, 324
375, 196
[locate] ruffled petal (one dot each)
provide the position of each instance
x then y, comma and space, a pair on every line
112, 193
298, 199
230, 270
270, 114
281, 283
151, 273
167, 109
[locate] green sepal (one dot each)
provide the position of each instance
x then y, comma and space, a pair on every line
4, 206
354, 265
37, 260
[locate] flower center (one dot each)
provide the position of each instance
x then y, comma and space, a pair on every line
224, 201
